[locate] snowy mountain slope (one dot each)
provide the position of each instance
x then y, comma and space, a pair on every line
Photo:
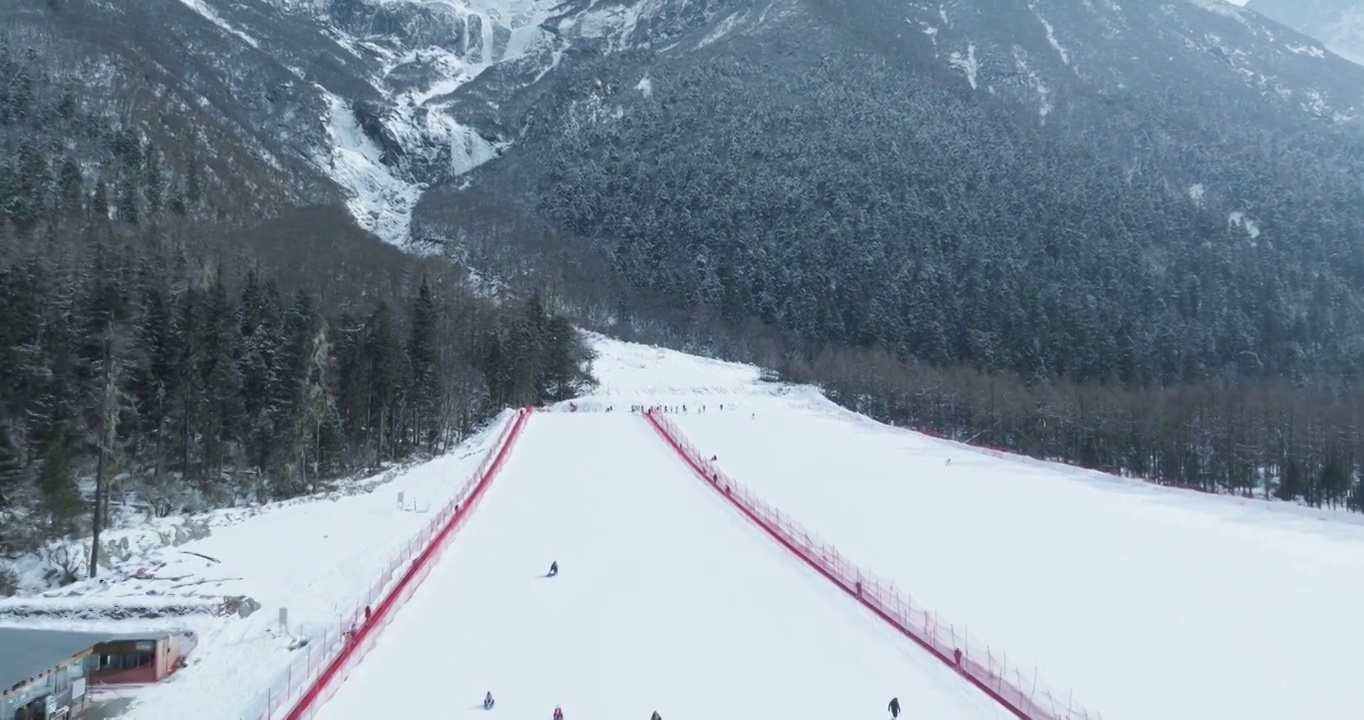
1094, 579
656, 573
387, 132
197, 92
246, 546
373, 101
290, 104
635, 374
1339, 24
317, 557
741, 165
1112, 47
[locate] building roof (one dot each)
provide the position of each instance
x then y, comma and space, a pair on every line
26, 653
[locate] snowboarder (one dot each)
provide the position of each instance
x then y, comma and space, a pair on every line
558, 713
553, 569
488, 701
894, 707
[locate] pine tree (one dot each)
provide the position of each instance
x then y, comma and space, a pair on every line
524, 348
564, 375
23, 363
99, 203
70, 188
103, 339
193, 193
497, 370
111, 401
384, 355
153, 188
221, 378
187, 398
11, 470
318, 411
154, 377
424, 361
353, 386
56, 427
127, 204
305, 401
29, 202
260, 363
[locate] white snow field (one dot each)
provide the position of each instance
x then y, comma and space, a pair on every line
315, 556
1145, 602
666, 600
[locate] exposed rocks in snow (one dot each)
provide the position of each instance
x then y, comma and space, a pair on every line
83, 610
239, 605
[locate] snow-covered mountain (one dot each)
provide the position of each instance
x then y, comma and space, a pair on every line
1092, 70
1339, 24
383, 86
372, 101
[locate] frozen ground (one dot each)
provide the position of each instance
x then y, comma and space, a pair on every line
315, 557
1145, 602
667, 600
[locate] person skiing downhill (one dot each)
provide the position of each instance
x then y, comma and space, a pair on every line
894, 707
553, 569
558, 713
655, 716
488, 701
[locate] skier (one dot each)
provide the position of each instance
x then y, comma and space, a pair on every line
655, 716
894, 707
553, 569
558, 713
488, 701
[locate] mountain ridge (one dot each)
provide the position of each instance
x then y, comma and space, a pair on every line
1339, 24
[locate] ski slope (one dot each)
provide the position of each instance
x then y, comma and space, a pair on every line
1145, 602
666, 600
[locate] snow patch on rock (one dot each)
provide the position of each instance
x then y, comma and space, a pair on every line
380, 202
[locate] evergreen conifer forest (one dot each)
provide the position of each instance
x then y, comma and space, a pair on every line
1129, 241
162, 352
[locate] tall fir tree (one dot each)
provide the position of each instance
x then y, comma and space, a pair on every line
384, 355
221, 379
424, 363
187, 397
56, 427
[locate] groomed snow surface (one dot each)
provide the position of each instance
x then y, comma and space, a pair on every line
666, 600
1145, 602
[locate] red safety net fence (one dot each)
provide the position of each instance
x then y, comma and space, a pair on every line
327, 659
983, 667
